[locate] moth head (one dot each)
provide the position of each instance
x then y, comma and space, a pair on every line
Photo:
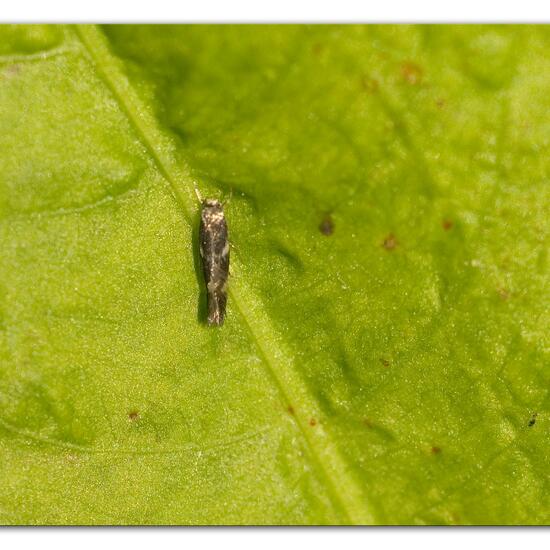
212, 203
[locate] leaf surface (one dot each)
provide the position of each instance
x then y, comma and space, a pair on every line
385, 354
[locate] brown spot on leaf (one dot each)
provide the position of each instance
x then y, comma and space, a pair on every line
455, 518
384, 362
447, 224
317, 49
12, 70
369, 84
533, 420
312, 422
440, 103
290, 410
435, 450
390, 242
133, 416
411, 73
367, 422
503, 293
326, 227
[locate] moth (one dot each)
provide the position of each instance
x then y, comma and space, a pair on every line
214, 251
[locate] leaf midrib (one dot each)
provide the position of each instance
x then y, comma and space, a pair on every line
331, 466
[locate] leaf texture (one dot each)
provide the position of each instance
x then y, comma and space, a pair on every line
385, 355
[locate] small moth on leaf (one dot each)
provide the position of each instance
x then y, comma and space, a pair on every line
214, 251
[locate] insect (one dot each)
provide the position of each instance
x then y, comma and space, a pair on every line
214, 250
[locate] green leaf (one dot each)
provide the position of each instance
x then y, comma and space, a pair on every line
385, 353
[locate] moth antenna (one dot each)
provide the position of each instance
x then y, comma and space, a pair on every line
228, 200
198, 193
